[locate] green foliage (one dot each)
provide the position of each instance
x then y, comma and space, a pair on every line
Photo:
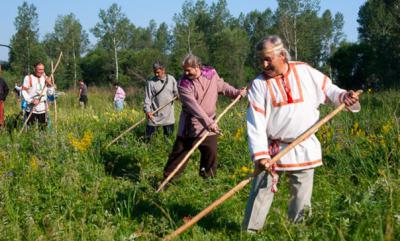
379, 29
229, 43
138, 64
293, 21
113, 32
96, 67
72, 40
309, 37
125, 52
351, 66
162, 39
62, 184
26, 49
257, 25
189, 36
373, 61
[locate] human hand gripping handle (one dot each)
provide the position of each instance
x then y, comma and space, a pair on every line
243, 92
49, 80
350, 98
214, 128
263, 165
350, 101
149, 116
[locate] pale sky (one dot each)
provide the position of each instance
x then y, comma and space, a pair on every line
141, 12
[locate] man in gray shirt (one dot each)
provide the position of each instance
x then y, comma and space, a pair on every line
160, 90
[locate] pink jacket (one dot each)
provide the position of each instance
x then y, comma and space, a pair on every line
199, 100
119, 94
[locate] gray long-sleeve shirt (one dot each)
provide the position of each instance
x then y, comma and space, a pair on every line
199, 101
151, 102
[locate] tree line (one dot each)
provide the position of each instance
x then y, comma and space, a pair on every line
124, 52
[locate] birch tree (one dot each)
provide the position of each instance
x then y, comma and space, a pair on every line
72, 40
112, 31
26, 49
288, 20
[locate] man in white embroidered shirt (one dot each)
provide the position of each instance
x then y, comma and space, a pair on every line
35, 89
284, 102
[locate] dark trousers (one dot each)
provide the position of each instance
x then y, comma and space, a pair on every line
1, 113
168, 130
84, 100
208, 160
41, 119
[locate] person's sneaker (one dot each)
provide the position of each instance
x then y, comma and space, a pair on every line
251, 231
203, 172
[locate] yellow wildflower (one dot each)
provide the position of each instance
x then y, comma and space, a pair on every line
386, 128
81, 144
238, 134
96, 118
325, 133
245, 169
356, 130
34, 163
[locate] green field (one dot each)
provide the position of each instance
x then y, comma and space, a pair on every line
61, 184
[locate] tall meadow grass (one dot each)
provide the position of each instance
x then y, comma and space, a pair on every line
61, 184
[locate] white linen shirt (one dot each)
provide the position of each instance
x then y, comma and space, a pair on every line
32, 88
284, 107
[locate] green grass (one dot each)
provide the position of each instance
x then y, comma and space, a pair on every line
53, 190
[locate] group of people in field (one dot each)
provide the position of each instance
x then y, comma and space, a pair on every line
38, 90
283, 103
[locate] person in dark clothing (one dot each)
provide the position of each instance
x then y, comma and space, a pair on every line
83, 99
3, 95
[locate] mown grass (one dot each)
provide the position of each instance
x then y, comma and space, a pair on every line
61, 184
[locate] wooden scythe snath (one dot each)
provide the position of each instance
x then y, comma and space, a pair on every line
243, 183
55, 99
138, 123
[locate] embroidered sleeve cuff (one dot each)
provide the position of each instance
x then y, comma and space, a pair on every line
260, 155
341, 97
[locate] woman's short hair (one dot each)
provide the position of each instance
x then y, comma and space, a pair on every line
191, 60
